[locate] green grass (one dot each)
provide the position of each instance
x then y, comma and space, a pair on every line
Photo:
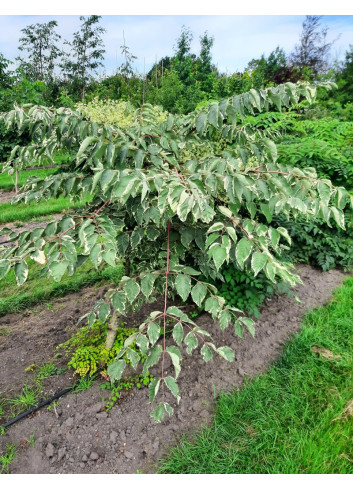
28, 398
39, 288
297, 418
7, 182
25, 212
6, 458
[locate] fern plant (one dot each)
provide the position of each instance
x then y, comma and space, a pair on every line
170, 221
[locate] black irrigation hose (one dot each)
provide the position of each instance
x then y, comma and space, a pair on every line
35, 408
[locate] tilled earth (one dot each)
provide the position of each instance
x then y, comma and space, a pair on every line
80, 437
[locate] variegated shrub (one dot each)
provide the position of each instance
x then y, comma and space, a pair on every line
174, 221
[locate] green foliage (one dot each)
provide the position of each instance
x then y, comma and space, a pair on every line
87, 348
125, 385
315, 243
244, 291
325, 144
46, 370
28, 398
7, 457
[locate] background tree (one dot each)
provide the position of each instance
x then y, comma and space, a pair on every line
40, 41
87, 49
313, 50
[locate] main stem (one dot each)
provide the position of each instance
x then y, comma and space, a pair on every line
165, 301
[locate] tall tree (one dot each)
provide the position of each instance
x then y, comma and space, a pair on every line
40, 41
5, 77
87, 49
313, 49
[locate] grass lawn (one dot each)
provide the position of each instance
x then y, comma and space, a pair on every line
40, 288
297, 418
7, 181
25, 212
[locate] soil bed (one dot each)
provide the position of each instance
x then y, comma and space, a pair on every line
6, 196
80, 437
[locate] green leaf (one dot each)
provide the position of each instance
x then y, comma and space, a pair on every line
136, 237
191, 342
206, 353
178, 333
133, 357
170, 382
226, 352
249, 323
219, 255
176, 358
132, 289
57, 269
224, 319
274, 235
104, 311
153, 357
200, 123
147, 283
258, 261
118, 302
115, 370
38, 256
109, 257
153, 389
158, 413
122, 241
243, 251
198, 293
183, 286
124, 186
142, 343
154, 332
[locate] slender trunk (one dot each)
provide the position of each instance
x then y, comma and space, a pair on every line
113, 327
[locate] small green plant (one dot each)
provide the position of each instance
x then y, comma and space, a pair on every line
2, 430
244, 290
7, 458
126, 385
4, 332
87, 348
25, 400
31, 440
83, 384
46, 370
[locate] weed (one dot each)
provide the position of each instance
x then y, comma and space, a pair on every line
4, 332
126, 384
46, 370
25, 400
7, 458
83, 384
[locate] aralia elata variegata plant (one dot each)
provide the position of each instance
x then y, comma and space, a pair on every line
171, 216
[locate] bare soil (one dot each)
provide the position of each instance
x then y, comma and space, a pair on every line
28, 226
6, 196
80, 437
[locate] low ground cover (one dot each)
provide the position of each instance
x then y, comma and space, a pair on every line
7, 181
25, 212
300, 419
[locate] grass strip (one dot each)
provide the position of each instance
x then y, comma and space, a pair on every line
297, 418
7, 182
39, 288
21, 212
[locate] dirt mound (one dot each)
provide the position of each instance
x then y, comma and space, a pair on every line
80, 437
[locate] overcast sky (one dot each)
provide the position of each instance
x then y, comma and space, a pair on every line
238, 38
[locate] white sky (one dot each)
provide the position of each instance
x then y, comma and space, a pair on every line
238, 38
